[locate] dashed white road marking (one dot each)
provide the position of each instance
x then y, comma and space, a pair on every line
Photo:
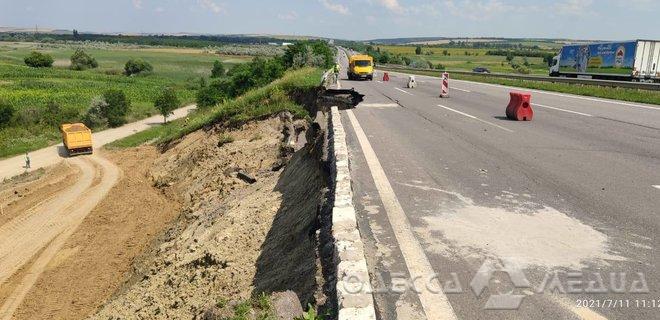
435, 303
459, 89
657, 186
475, 118
379, 81
404, 91
565, 95
559, 109
554, 93
378, 105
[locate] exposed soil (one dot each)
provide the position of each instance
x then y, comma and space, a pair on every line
92, 261
237, 237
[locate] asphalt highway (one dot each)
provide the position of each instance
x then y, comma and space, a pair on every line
571, 200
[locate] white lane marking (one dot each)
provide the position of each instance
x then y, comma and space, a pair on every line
565, 95
559, 109
454, 88
404, 91
552, 93
657, 186
475, 118
378, 105
379, 81
338, 84
434, 302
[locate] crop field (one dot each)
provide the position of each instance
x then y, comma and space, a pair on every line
466, 59
28, 90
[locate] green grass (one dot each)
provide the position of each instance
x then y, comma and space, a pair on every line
29, 89
625, 94
255, 104
458, 60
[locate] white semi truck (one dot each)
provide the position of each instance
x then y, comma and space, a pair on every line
637, 60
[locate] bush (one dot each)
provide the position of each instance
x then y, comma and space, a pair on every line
418, 50
137, 66
117, 107
440, 66
218, 69
39, 60
6, 114
209, 96
95, 118
313, 53
167, 102
80, 60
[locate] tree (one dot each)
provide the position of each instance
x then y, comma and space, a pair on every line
76, 35
6, 113
80, 60
218, 69
167, 102
418, 50
39, 60
117, 107
95, 118
509, 57
136, 66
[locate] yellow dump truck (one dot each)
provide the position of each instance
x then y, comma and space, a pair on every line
77, 138
360, 66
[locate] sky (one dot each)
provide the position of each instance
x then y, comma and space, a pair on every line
348, 19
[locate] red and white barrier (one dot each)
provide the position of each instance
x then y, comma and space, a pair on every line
444, 93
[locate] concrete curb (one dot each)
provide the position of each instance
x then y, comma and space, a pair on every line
354, 294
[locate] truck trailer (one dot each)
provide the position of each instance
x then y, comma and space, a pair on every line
77, 138
637, 60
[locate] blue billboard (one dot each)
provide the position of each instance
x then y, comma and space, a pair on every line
612, 57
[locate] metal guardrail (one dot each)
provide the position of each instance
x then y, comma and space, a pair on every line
602, 83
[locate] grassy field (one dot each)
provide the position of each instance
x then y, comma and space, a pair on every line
255, 104
625, 94
466, 59
28, 90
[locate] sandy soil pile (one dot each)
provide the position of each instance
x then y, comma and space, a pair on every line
236, 237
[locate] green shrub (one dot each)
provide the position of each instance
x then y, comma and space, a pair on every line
117, 107
218, 69
95, 117
6, 114
137, 66
80, 60
39, 60
167, 102
312, 53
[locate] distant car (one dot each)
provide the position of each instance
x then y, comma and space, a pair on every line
480, 70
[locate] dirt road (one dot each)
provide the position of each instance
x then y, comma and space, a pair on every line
51, 155
40, 232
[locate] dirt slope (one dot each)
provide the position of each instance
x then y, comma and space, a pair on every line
234, 239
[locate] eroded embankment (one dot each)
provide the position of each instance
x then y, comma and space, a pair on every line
254, 198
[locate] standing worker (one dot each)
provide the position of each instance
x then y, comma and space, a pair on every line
336, 71
27, 161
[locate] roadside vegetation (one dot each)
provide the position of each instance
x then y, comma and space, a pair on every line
624, 94
246, 92
497, 57
36, 95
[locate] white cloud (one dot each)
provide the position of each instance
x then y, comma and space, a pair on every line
479, 10
392, 5
211, 6
288, 16
335, 7
137, 4
574, 7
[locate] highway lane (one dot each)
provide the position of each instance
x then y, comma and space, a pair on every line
572, 190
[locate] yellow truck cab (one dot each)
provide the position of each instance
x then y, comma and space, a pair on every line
77, 138
360, 67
